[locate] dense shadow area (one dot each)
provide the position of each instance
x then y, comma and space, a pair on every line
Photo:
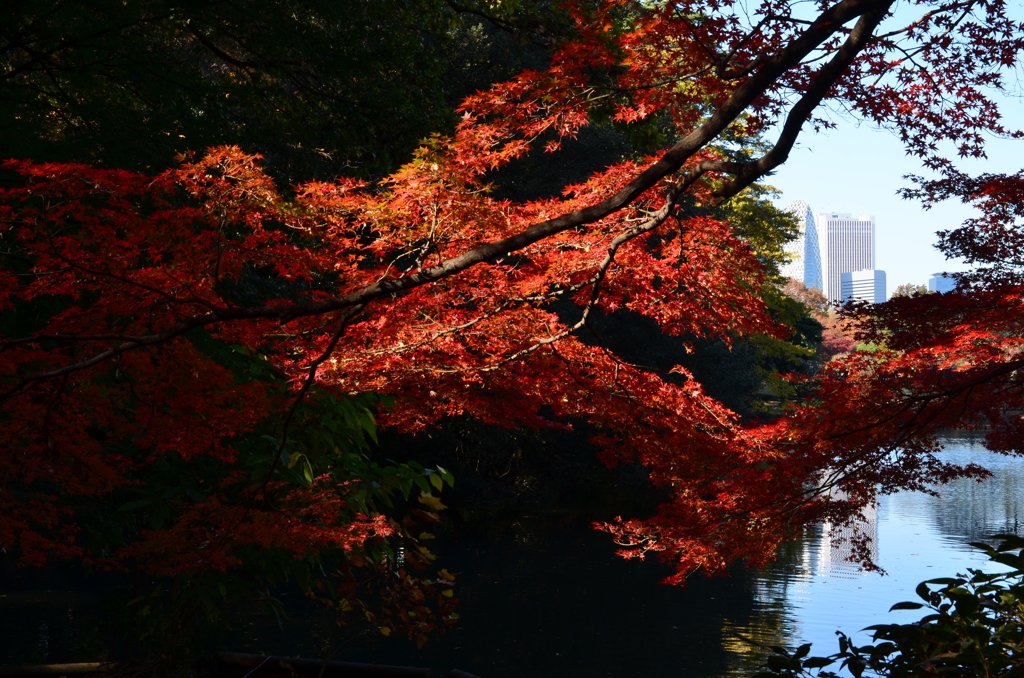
499, 471
541, 594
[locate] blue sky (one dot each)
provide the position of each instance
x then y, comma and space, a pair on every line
857, 169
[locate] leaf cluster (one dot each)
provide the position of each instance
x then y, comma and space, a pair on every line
431, 288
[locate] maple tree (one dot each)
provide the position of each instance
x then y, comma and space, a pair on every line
168, 320
838, 334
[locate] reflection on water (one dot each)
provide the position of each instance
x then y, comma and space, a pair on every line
835, 549
543, 596
74, 622
819, 567
555, 604
810, 592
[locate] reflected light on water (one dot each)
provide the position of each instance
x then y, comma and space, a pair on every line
811, 590
544, 596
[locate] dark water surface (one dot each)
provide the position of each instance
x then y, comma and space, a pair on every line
544, 596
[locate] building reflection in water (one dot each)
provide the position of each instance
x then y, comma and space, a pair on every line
824, 552
813, 589
836, 552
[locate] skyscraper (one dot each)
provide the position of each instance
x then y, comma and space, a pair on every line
847, 244
941, 282
805, 265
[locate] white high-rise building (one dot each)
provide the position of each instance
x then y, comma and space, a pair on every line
805, 265
847, 244
867, 285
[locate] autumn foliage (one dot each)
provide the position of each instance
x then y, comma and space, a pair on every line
194, 317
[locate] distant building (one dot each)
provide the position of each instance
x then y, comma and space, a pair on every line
941, 282
805, 265
847, 244
866, 285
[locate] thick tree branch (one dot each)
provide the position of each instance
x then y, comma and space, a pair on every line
824, 79
827, 24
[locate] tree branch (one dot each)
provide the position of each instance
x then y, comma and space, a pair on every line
827, 24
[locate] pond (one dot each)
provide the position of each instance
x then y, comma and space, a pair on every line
544, 596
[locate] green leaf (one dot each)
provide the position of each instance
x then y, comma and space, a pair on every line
906, 605
447, 476
967, 605
883, 649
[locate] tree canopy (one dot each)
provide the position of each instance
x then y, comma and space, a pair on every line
315, 86
131, 292
909, 290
